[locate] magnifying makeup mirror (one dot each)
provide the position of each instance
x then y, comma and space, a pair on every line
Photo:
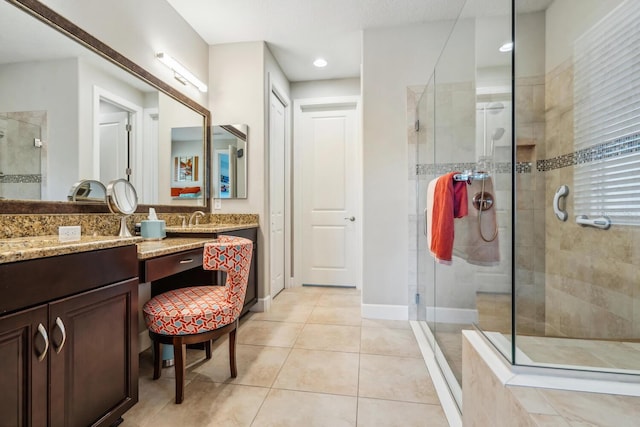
122, 199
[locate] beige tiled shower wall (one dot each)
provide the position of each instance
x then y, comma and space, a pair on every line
592, 276
530, 223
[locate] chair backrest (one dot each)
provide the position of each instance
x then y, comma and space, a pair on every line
232, 255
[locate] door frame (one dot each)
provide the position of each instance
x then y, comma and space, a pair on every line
136, 121
328, 103
286, 102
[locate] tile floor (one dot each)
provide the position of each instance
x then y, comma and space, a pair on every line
310, 361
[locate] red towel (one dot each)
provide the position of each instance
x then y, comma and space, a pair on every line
449, 202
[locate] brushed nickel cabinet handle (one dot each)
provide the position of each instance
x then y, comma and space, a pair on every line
43, 332
186, 261
60, 326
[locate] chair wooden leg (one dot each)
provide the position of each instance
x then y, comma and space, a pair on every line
232, 353
157, 359
180, 355
207, 349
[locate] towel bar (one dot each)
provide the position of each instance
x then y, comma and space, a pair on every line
603, 222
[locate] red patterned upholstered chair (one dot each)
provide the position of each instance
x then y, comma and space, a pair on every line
200, 314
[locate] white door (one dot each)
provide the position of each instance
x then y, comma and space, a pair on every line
114, 150
326, 136
277, 123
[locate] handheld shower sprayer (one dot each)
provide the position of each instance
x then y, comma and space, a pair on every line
496, 136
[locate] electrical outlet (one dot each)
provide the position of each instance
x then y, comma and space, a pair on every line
217, 204
69, 233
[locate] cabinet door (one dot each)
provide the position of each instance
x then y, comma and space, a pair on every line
94, 355
23, 368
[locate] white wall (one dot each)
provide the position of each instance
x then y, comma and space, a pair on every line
325, 88
530, 34
239, 91
393, 58
138, 30
236, 96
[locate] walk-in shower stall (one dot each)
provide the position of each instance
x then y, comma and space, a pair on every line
536, 107
22, 154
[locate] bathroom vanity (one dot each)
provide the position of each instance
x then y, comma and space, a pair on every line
176, 261
69, 318
68, 331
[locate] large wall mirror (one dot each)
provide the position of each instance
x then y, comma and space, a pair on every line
71, 108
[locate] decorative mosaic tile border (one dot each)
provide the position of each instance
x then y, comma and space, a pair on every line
524, 167
606, 150
20, 179
442, 168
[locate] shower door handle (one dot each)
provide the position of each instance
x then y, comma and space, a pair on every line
425, 222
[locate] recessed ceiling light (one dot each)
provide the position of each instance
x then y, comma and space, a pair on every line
320, 62
507, 47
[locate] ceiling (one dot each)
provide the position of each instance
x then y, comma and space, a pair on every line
298, 31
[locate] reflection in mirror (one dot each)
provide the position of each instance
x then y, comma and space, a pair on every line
122, 200
230, 161
186, 152
71, 114
87, 191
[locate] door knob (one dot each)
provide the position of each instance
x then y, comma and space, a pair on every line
350, 218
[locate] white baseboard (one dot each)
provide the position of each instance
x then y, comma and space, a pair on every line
144, 342
263, 304
385, 311
452, 315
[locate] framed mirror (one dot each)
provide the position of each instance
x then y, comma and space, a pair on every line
230, 161
72, 108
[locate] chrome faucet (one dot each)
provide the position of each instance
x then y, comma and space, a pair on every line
197, 215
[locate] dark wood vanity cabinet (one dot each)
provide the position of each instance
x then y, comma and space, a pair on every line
69, 357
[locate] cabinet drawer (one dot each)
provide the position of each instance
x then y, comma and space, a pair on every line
29, 283
168, 265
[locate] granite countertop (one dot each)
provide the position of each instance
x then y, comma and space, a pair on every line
210, 228
154, 248
26, 248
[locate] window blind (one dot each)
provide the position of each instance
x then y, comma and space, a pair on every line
607, 117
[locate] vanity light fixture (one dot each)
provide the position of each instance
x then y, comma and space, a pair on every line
507, 47
320, 62
183, 75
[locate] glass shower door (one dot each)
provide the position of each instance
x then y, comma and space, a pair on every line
467, 110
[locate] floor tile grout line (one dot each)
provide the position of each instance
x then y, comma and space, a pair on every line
299, 329
275, 378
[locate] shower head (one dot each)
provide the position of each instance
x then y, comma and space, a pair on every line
497, 134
